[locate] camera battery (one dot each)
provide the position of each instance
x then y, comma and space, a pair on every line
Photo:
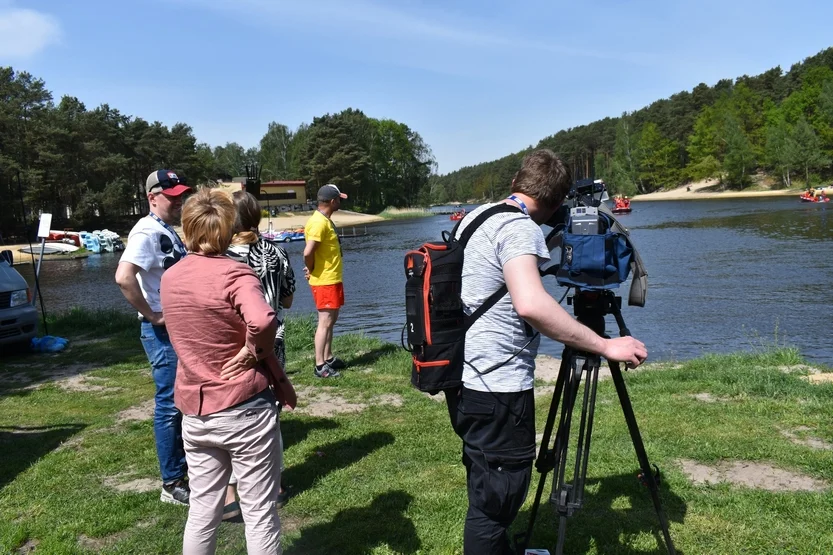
584, 220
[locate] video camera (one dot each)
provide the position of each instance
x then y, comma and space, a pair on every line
596, 250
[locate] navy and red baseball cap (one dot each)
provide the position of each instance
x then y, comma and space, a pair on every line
167, 183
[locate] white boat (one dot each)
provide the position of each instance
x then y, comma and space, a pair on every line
51, 248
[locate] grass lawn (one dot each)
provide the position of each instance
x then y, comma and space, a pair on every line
375, 468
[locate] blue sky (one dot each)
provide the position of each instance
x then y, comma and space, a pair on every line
478, 79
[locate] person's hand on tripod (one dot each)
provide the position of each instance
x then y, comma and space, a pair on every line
626, 349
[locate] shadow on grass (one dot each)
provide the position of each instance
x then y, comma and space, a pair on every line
370, 358
295, 430
359, 530
601, 526
98, 322
332, 456
22, 446
22, 376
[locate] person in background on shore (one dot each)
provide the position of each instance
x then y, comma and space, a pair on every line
224, 332
152, 248
494, 412
323, 270
271, 264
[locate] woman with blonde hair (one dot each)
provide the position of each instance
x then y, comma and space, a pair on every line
224, 331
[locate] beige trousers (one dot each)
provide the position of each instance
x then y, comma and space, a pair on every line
246, 441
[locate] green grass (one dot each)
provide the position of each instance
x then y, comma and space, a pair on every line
388, 479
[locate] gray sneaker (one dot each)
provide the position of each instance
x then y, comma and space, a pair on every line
177, 493
326, 371
336, 363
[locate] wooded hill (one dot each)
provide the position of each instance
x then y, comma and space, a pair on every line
778, 123
88, 167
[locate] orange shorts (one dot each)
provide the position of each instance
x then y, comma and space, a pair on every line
328, 297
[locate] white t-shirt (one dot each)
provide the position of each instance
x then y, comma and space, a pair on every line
154, 249
499, 332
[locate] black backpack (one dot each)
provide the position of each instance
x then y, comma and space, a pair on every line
435, 323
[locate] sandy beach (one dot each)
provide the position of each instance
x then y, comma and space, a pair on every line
697, 191
342, 218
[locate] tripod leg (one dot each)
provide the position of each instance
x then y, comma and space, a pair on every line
562, 534
584, 437
641, 455
544, 462
568, 497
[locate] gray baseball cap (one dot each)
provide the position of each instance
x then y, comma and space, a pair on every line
329, 192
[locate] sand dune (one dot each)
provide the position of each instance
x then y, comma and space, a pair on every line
697, 191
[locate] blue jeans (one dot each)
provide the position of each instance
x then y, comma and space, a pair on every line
167, 420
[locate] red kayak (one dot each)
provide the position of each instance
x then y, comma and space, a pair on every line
456, 216
622, 210
807, 198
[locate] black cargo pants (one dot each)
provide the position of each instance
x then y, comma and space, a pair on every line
498, 433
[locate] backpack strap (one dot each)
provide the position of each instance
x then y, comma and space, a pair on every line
464, 239
487, 304
482, 217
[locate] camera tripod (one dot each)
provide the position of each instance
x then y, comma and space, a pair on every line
590, 308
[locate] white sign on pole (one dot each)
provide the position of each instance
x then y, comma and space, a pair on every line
45, 224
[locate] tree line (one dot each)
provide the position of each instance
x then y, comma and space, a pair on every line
776, 124
88, 166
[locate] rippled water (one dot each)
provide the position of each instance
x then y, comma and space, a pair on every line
724, 275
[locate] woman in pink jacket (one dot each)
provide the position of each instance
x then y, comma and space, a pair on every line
223, 332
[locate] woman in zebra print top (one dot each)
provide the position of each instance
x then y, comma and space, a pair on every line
271, 264
269, 261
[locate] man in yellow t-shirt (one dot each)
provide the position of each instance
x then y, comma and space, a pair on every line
323, 269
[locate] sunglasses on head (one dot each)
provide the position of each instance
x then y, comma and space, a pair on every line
170, 183
166, 184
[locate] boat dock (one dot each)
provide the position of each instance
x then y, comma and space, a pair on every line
353, 233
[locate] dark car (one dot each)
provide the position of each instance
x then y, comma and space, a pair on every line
18, 318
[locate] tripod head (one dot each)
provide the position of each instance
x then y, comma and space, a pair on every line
591, 306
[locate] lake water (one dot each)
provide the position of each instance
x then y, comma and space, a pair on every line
724, 276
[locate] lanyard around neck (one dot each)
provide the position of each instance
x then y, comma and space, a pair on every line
170, 230
520, 203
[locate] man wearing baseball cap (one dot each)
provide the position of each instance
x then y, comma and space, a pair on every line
152, 247
323, 269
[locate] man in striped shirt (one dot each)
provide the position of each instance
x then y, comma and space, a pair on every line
495, 408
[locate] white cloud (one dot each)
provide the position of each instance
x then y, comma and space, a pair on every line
24, 33
424, 26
